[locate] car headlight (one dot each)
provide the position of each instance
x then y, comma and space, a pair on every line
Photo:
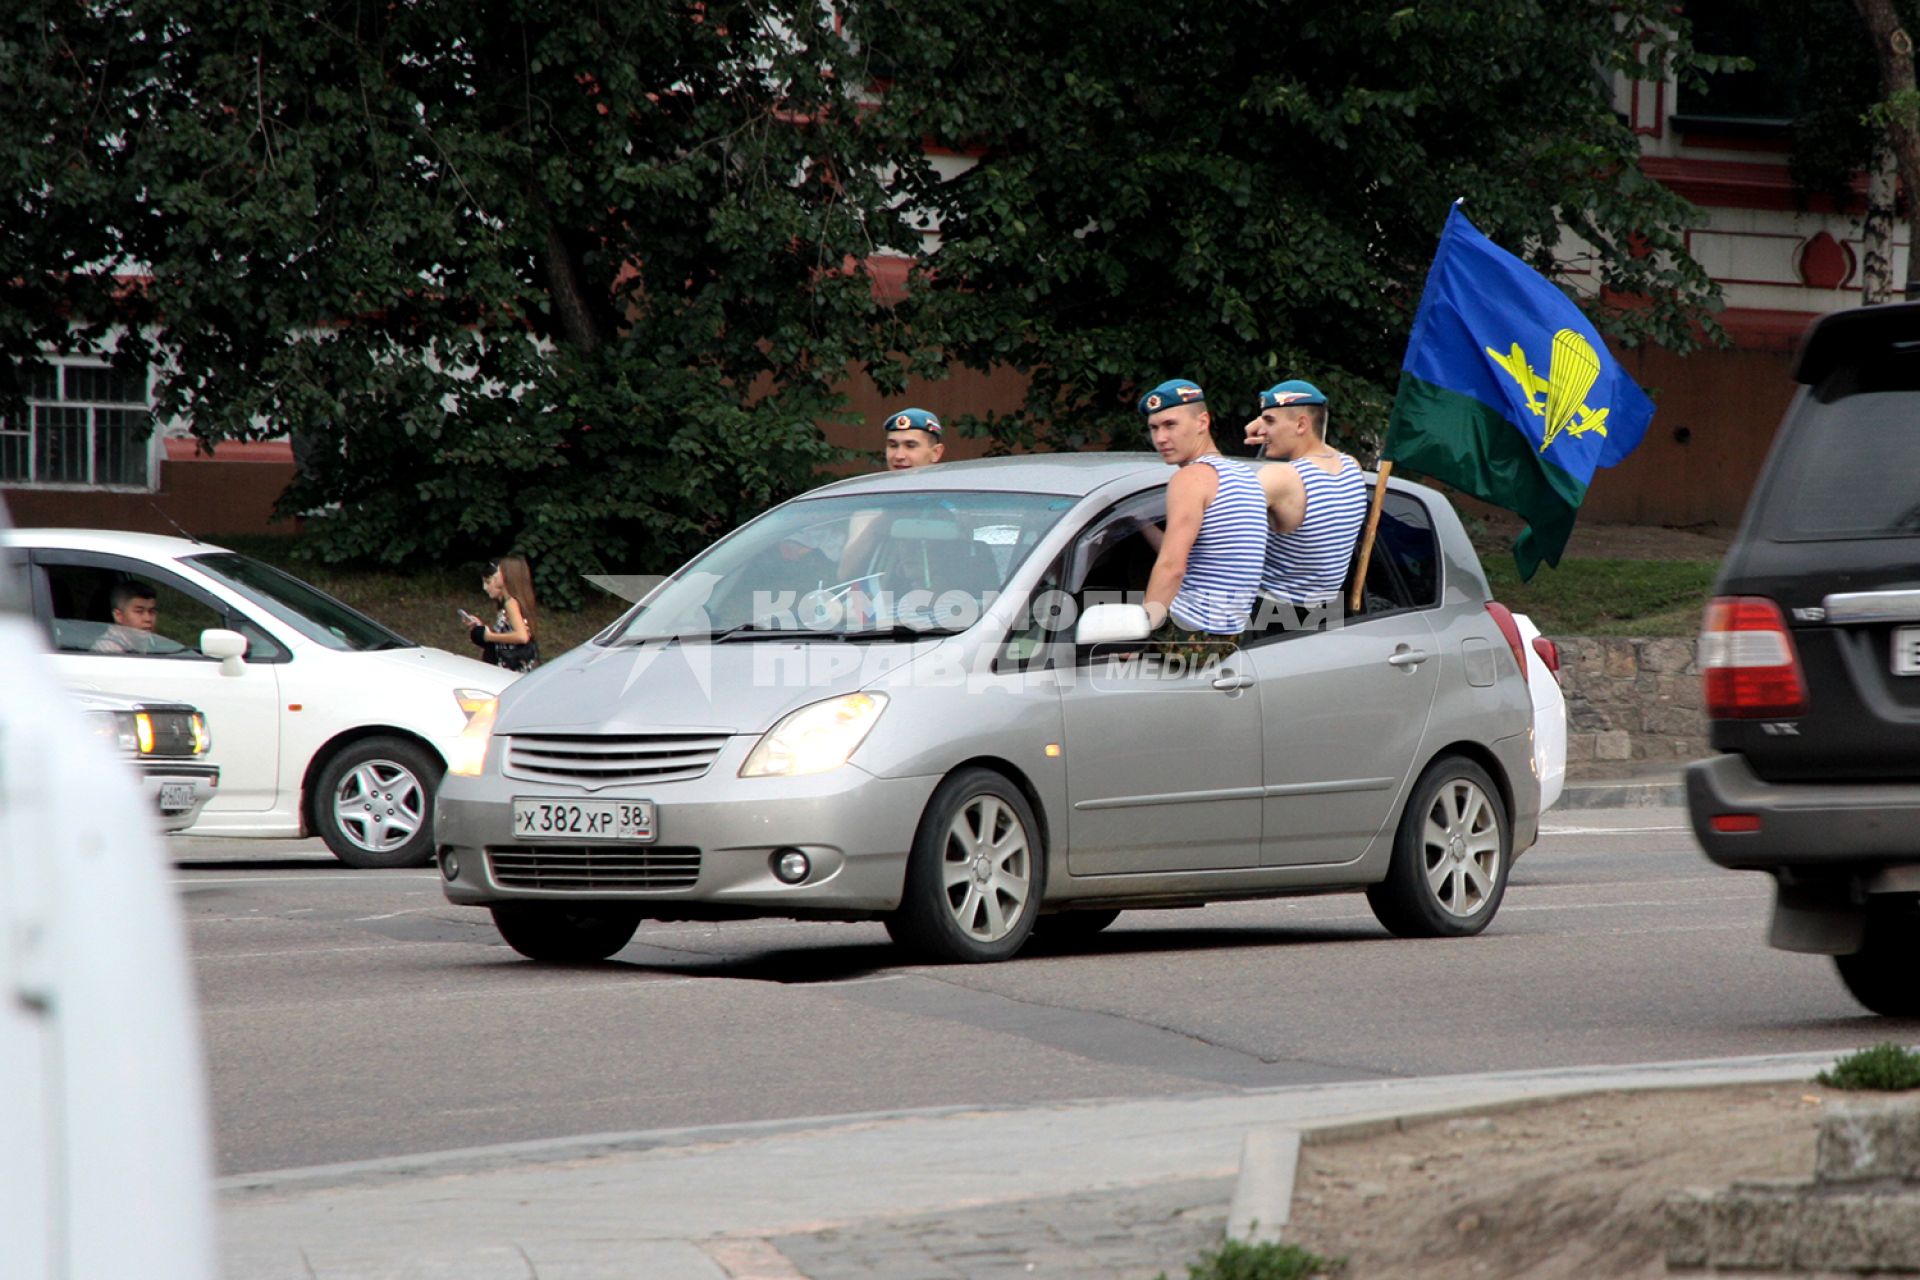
472, 700
816, 738
143, 732
116, 728
469, 755
202, 736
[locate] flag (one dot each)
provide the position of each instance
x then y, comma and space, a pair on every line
1508, 393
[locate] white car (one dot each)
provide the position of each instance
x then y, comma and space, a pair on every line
328, 723
1549, 711
107, 1163
166, 744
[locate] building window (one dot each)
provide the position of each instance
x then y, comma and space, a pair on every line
86, 425
1766, 97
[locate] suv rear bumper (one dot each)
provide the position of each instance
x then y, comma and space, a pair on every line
1809, 825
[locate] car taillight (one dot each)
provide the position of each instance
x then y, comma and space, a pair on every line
1748, 661
1503, 618
1549, 653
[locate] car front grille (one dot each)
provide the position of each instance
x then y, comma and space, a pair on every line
571, 868
172, 732
607, 759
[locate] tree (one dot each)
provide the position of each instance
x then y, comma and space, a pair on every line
1243, 192
570, 277
587, 278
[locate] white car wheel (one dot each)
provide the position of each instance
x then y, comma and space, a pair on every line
374, 803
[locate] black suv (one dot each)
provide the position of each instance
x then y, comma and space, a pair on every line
1811, 657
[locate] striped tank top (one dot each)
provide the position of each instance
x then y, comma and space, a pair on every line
1223, 569
1309, 565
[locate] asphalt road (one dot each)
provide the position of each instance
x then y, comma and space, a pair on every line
353, 1014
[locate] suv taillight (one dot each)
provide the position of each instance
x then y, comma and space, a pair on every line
1503, 619
1748, 661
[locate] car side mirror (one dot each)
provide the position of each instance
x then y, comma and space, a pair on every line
228, 646
1112, 624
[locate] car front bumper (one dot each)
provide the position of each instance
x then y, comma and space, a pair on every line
715, 844
166, 783
1808, 825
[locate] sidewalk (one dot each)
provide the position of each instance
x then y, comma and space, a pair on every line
1095, 1189
1633, 787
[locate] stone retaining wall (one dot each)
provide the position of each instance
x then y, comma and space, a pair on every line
1630, 702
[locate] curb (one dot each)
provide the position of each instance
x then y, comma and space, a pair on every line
1621, 795
1270, 1157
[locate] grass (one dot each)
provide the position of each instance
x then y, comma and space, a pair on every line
1607, 597
1886, 1067
422, 604
1237, 1260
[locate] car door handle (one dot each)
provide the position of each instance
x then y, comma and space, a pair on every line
1227, 684
1409, 657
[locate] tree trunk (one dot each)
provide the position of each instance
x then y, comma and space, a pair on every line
1876, 229
1893, 50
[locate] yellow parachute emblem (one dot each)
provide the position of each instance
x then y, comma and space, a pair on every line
1561, 396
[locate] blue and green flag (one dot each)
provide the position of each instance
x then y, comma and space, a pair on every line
1508, 393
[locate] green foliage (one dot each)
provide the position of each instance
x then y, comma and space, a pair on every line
1886, 1066
583, 280
1245, 192
558, 277
1237, 1260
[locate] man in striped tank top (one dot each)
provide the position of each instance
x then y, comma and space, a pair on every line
1208, 567
1316, 498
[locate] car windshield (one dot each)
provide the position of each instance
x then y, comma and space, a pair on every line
307, 609
881, 566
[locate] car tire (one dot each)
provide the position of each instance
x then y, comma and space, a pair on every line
1071, 926
1881, 973
373, 803
563, 934
1450, 858
976, 873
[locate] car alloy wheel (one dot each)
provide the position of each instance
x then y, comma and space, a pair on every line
372, 802
987, 869
1460, 847
379, 805
1451, 852
976, 874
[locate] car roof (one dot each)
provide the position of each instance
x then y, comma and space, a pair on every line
1068, 474
159, 546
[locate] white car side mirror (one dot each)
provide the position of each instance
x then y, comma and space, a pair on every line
1112, 623
228, 646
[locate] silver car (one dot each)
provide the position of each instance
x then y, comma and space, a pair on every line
929, 697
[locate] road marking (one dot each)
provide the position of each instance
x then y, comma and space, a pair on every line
1606, 831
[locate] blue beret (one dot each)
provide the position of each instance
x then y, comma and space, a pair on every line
914, 420
1170, 394
1290, 394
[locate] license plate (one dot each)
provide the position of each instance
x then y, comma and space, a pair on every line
175, 796
1906, 651
536, 819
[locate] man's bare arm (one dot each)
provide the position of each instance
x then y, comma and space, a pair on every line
1188, 493
1286, 496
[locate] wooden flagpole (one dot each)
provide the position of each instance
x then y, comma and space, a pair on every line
1358, 595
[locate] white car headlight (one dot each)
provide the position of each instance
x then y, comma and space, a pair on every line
117, 729
816, 738
469, 755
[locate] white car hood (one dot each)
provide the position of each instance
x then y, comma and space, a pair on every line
742, 687
458, 672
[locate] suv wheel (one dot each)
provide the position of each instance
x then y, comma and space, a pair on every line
1450, 855
1881, 973
373, 803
